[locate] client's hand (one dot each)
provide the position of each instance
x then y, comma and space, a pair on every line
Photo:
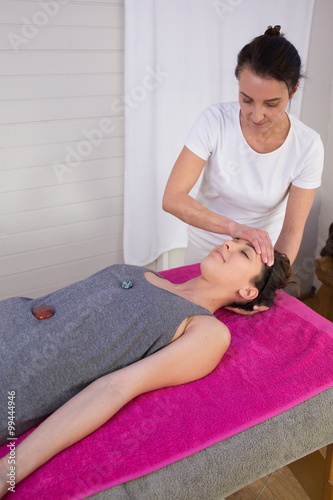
4, 469
255, 310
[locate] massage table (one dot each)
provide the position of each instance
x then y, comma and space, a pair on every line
269, 403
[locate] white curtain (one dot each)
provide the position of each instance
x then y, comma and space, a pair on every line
180, 57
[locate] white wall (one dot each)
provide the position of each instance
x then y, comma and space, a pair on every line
326, 209
325, 77
317, 107
61, 195
61, 146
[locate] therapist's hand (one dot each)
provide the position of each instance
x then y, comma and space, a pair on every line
256, 309
259, 239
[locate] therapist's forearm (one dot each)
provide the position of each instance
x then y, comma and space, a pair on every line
289, 243
189, 210
297, 211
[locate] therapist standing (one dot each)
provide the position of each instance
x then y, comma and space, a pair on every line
261, 166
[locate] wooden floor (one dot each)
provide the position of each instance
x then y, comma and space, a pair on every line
281, 486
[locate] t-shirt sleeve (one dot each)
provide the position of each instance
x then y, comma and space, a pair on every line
310, 175
202, 137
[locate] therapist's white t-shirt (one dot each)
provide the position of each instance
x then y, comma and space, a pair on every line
248, 187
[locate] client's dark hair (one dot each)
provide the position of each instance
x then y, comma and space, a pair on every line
273, 278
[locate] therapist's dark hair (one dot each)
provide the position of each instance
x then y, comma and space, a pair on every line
271, 279
271, 56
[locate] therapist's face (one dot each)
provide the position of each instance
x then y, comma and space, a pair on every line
263, 101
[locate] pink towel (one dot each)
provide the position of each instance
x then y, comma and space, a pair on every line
276, 360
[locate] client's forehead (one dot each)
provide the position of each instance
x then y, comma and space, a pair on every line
255, 257
245, 242
249, 244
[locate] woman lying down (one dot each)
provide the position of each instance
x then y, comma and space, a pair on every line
122, 332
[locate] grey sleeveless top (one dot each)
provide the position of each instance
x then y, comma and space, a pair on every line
98, 327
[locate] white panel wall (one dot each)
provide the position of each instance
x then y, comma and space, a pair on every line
317, 108
326, 210
325, 82
61, 142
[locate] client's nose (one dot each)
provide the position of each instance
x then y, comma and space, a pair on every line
227, 245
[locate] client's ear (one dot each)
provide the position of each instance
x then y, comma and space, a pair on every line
248, 293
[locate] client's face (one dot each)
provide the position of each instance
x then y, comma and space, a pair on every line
235, 263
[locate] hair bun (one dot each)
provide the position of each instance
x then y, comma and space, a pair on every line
273, 31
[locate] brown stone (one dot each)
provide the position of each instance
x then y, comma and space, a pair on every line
43, 312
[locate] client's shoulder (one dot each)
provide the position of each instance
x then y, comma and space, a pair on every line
209, 327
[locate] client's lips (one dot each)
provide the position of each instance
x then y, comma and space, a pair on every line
220, 254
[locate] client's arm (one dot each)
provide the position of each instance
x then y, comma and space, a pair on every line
192, 356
